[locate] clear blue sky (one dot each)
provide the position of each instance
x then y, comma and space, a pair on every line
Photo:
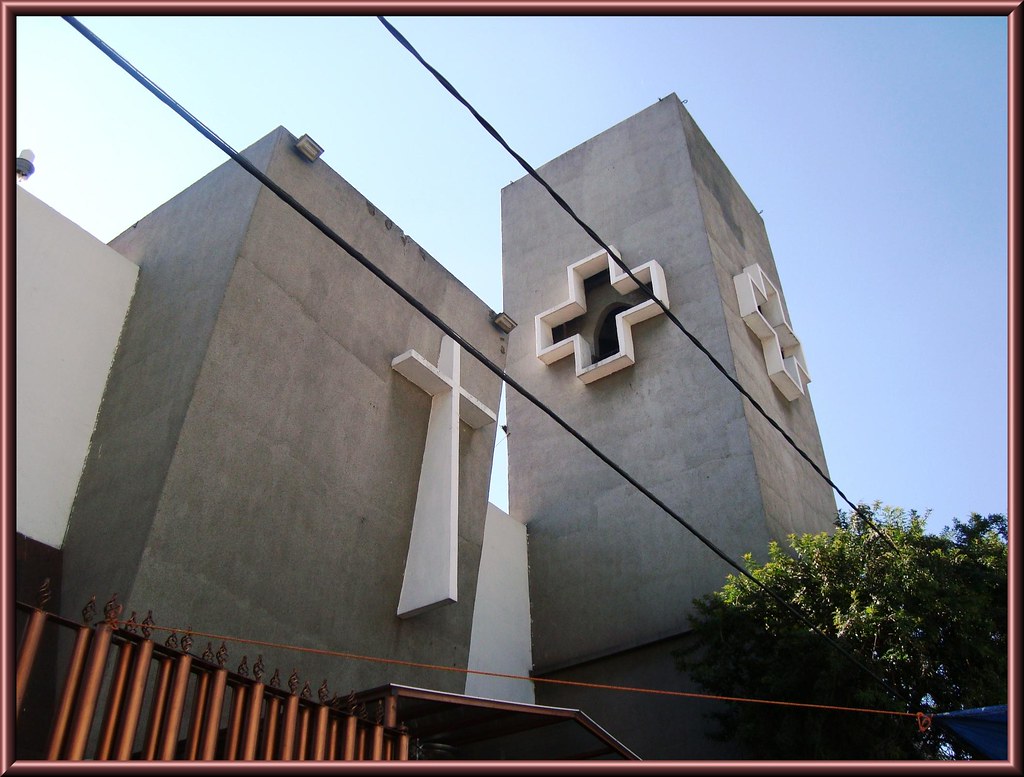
876, 148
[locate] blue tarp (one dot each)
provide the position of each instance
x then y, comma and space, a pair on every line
983, 728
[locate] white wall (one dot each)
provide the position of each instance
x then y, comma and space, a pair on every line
500, 640
72, 296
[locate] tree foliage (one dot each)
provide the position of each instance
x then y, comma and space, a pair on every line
929, 617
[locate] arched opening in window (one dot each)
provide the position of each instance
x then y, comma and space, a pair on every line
606, 339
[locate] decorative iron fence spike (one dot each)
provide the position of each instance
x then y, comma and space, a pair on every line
131, 625
293, 681
146, 630
172, 641
322, 692
186, 641
222, 654
111, 611
208, 653
275, 679
243, 668
307, 692
44, 593
89, 610
258, 669
350, 702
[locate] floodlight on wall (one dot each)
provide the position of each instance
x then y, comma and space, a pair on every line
503, 321
309, 148
23, 166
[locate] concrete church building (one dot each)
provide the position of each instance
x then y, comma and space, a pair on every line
285, 450
256, 463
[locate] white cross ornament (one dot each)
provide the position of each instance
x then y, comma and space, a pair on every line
431, 567
761, 309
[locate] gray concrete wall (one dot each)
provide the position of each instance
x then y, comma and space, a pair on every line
609, 570
185, 251
500, 641
796, 499
285, 507
654, 726
72, 295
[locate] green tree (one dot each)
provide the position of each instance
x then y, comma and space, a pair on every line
928, 617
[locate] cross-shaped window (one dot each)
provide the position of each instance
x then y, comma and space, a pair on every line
602, 340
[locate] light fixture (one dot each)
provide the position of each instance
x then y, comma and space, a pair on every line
503, 321
309, 148
23, 166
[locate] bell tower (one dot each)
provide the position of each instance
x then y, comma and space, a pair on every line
612, 577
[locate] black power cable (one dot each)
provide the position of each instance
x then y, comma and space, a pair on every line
643, 288
330, 234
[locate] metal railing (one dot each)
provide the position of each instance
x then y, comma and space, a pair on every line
162, 702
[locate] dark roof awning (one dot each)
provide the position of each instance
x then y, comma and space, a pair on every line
983, 729
451, 726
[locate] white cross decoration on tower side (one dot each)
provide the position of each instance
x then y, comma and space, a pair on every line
575, 306
761, 309
431, 567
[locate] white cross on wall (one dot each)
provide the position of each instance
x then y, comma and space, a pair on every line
760, 306
431, 568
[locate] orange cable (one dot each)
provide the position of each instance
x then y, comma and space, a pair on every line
600, 686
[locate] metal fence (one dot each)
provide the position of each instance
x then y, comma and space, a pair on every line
162, 702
